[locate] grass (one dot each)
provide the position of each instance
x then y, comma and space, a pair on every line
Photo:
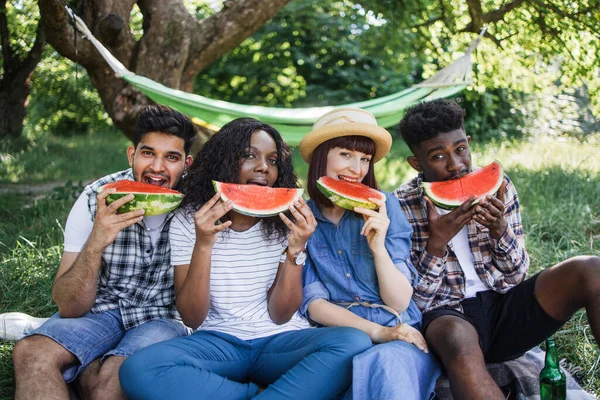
52, 158
558, 184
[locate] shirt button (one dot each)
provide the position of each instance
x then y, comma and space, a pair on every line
148, 251
348, 274
340, 251
357, 298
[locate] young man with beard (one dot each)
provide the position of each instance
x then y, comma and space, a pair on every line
477, 305
114, 285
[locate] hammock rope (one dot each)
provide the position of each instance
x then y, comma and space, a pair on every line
292, 123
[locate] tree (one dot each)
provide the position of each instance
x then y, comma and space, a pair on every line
22, 45
173, 48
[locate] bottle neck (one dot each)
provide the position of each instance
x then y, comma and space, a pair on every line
551, 356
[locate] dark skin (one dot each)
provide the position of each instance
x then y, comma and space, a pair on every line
561, 290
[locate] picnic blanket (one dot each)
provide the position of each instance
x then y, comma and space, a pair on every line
519, 379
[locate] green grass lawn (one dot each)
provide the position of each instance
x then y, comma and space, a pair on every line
558, 183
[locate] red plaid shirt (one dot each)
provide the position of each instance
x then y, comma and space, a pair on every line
501, 264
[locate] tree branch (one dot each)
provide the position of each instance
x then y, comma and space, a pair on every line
222, 32
59, 33
35, 54
497, 15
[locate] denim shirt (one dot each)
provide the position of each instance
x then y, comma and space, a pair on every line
340, 266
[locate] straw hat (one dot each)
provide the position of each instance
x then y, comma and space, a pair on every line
346, 121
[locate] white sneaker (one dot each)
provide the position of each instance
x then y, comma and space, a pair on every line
15, 325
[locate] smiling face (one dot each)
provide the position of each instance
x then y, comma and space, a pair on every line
259, 162
347, 165
159, 159
443, 157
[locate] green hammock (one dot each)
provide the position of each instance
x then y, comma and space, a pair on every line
292, 123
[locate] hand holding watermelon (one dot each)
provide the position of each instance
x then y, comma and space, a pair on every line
376, 224
107, 223
490, 213
205, 220
442, 228
302, 228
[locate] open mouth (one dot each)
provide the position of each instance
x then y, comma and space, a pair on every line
156, 180
347, 179
259, 182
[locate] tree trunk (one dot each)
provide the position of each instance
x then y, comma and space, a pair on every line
16, 78
13, 110
174, 48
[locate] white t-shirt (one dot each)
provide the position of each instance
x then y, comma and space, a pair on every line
79, 225
462, 250
243, 268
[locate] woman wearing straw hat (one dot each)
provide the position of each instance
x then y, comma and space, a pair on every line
358, 272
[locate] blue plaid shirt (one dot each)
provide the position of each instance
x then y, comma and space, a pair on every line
135, 277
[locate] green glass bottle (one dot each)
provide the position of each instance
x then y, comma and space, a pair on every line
553, 382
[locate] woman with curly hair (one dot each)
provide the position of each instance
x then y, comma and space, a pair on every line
359, 272
238, 280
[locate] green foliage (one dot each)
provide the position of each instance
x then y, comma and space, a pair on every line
310, 55
63, 100
22, 18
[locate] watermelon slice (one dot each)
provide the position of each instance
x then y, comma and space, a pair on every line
451, 194
257, 201
154, 199
348, 195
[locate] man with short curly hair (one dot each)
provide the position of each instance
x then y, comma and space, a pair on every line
472, 263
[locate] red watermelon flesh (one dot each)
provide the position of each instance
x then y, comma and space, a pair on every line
256, 200
348, 195
451, 194
138, 187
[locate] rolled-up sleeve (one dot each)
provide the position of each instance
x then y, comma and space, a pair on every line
313, 288
397, 240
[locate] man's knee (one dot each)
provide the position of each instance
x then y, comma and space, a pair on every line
105, 382
452, 338
40, 351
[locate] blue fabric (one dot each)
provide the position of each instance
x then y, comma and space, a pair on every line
100, 335
340, 268
302, 364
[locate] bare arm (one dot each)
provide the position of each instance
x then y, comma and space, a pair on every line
192, 282
285, 295
76, 282
394, 288
328, 314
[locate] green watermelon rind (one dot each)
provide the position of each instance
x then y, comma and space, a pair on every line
259, 213
346, 202
152, 204
451, 205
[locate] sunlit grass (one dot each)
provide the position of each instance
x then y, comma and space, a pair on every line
52, 158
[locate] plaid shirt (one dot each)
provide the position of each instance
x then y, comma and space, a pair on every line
501, 264
134, 277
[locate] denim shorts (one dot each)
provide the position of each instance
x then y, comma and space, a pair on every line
100, 335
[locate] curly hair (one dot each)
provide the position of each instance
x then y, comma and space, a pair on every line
428, 119
157, 118
318, 164
219, 159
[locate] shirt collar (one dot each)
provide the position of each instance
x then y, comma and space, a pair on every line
319, 215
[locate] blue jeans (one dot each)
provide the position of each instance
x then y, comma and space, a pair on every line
302, 364
100, 335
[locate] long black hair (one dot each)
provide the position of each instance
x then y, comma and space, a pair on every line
219, 159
